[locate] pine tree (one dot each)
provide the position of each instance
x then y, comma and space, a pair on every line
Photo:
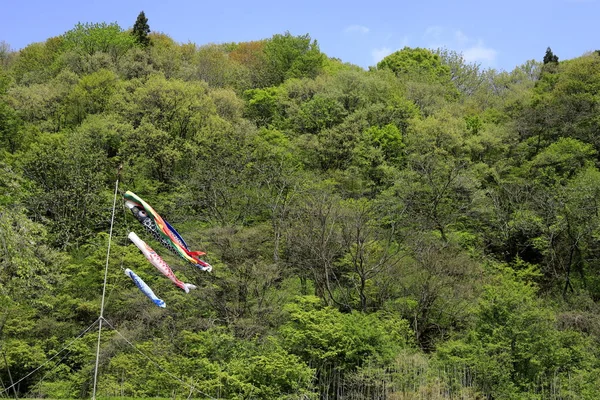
141, 29
550, 56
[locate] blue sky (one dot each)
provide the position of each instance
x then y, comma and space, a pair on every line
496, 34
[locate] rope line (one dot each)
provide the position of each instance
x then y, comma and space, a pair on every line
49, 372
101, 318
123, 244
128, 229
191, 387
51, 358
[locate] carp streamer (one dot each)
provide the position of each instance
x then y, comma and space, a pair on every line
162, 231
159, 263
145, 288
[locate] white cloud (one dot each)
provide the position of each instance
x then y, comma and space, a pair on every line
357, 29
435, 37
461, 38
434, 32
380, 53
480, 54
473, 49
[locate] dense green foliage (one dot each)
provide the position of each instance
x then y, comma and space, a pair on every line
141, 29
424, 229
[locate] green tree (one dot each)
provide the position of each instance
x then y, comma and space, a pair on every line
252, 56
561, 161
550, 57
274, 373
466, 77
514, 346
292, 57
411, 61
313, 240
428, 81
91, 95
171, 105
389, 139
370, 254
225, 175
262, 105
9, 119
336, 344
213, 65
166, 55
564, 104
30, 276
68, 186
317, 114
437, 186
45, 105
87, 39
6, 54
34, 63
141, 29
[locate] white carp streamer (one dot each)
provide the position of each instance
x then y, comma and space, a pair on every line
159, 263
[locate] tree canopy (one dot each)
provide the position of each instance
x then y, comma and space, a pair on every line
141, 29
426, 228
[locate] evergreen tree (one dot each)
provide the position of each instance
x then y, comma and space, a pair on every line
550, 56
141, 29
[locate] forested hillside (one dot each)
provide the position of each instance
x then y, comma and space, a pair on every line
423, 229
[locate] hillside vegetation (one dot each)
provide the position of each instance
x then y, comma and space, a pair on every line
423, 229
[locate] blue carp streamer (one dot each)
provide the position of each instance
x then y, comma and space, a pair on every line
145, 288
